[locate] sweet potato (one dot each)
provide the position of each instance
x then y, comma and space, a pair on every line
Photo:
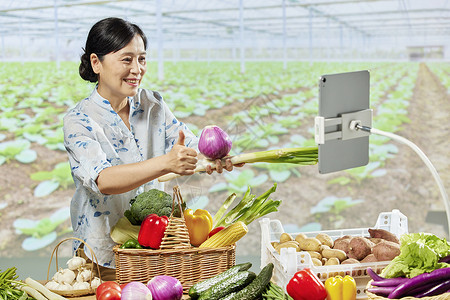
342, 243
369, 258
350, 261
376, 240
383, 234
386, 250
359, 247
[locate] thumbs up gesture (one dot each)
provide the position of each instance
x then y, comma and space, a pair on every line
182, 160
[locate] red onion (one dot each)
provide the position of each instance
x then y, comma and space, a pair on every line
136, 291
165, 287
214, 143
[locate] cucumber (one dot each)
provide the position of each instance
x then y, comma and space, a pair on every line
255, 289
196, 289
233, 283
229, 296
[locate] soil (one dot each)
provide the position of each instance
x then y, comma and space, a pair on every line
407, 186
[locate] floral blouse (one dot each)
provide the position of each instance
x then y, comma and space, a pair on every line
95, 138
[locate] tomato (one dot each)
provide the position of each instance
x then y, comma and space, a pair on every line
215, 230
111, 294
122, 286
106, 286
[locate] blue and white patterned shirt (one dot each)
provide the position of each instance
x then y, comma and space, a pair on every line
95, 138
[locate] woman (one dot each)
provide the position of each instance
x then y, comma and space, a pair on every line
121, 138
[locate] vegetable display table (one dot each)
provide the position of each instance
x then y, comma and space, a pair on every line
92, 297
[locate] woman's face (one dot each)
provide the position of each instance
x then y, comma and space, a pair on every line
120, 73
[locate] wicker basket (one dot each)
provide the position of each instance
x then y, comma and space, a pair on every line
74, 293
371, 296
176, 257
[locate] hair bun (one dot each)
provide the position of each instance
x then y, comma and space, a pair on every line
85, 69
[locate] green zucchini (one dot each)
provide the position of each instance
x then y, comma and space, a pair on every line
233, 283
255, 289
196, 289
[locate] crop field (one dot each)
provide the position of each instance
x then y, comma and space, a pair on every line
265, 108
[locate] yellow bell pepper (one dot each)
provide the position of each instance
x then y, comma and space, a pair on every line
199, 224
341, 288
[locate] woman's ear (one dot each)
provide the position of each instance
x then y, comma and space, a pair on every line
95, 63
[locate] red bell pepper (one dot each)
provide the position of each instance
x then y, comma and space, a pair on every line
305, 285
152, 230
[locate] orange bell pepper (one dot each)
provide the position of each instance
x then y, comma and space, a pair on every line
199, 224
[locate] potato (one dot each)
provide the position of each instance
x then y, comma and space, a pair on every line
386, 250
332, 261
369, 258
350, 261
325, 239
359, 247
300, 237
315, 254
316, 262
337, 253
310, 244
323, 247
288, 244
383, 234
342, 243
285, 237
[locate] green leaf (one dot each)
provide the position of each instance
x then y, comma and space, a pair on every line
279, 176
45, 188
26, 156
33, 244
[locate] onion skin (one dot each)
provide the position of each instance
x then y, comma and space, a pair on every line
214, 143
164, 287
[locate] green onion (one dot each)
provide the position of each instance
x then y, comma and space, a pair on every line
223, 208
300, 156
250, 208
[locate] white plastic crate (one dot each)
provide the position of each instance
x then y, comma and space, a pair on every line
289, 261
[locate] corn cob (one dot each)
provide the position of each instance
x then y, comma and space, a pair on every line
227, 236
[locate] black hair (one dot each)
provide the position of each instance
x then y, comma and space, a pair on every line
106, 36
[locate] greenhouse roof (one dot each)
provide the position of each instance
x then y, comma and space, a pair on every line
319, 29
191, 19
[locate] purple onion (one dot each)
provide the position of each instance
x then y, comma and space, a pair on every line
214, 143
136, 291
165, 287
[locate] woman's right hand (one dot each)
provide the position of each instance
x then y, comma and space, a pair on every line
182, 159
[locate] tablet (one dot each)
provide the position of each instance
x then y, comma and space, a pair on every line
339, 94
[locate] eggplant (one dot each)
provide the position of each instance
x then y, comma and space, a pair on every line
419, 280
381, 291
374, 275
445, 259
436, 290
390, 281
